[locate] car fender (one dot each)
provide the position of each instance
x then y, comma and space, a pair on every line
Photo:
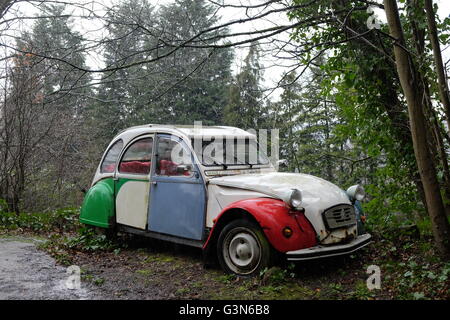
98, 204
272, 215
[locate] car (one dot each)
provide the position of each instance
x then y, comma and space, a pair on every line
212, 188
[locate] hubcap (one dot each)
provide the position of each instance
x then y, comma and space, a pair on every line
243, 251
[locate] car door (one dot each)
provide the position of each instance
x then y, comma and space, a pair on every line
178, 197
132, 183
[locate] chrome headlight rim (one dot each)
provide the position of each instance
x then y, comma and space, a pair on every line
295, 199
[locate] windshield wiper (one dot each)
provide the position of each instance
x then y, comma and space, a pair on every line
225, 167
218, 163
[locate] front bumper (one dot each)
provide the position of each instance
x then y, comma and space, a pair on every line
329, 251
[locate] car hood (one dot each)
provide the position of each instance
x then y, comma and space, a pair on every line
317, 192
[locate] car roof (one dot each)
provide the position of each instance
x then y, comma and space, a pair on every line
189, 130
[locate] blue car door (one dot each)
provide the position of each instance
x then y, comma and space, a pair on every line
177, 197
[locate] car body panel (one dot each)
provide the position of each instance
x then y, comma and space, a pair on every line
273, 216
220, 197
321, 251
177, 207
178, 203
318, 194
98, 205
132, 202
132, 188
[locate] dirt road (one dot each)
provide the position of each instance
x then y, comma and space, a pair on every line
29, 274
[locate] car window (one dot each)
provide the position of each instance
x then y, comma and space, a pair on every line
137, 158
109, 162
173, 158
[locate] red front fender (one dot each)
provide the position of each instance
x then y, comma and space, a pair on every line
273, 216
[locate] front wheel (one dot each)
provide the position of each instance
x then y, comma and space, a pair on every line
243, 249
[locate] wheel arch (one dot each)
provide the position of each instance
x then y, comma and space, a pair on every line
98, 208
271, 215
224, 218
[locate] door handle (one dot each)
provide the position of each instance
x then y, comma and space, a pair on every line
153, 183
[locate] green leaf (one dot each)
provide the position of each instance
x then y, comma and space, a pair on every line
408, 274
418, 295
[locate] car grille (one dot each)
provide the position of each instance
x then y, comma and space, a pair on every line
339, 216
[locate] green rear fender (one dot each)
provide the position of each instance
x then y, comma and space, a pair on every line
98, 204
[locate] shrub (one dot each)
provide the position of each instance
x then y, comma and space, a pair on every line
59, 220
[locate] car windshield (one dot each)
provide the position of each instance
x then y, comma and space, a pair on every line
229, 151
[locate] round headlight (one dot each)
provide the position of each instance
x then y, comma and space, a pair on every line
296, 198
356, 192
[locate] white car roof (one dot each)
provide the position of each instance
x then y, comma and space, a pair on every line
223, 131
189, 130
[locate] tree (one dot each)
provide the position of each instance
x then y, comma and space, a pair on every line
408, 78
442, 82
360, 79
245, 106
124, 92
187, 86
193, 81
18, 134
43, 115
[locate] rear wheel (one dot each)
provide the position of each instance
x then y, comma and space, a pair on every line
243, 249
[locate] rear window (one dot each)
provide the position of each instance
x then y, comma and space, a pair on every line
137, 158
110, 160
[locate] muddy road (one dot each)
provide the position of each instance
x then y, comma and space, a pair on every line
148, 269
27, 273
34, 267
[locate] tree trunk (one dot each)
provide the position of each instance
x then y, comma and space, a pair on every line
427, 170
435, 143
442, 82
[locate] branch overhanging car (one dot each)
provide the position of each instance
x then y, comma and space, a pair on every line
161, 181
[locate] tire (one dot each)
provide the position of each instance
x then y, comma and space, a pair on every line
243, 249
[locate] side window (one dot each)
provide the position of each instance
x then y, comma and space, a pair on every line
173, 159
137, 158
109, 163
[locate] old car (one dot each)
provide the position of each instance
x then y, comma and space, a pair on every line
167, 182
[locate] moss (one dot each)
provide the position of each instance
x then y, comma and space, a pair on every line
145, 272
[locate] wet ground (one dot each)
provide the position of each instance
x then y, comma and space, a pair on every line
151, 270
147, 269
27, 273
